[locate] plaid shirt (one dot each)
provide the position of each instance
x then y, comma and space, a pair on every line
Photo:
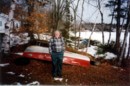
56, 45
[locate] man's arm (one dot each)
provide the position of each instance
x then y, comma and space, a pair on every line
63, 42
50, 45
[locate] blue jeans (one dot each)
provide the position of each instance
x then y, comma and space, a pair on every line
57, 59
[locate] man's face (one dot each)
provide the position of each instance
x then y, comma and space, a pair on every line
57, 34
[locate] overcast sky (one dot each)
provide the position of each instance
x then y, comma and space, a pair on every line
91, 12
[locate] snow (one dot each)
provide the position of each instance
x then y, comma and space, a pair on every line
19, 54
71, 33
35, 83
109, 55
66, 80
92, 50
98, 36
11, 73
42, 36
14, 40
5, 64
21, 75
100, 55
115, 67
19, 39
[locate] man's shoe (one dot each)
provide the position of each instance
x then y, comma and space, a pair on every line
60, 79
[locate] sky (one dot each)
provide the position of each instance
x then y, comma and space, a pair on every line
91, 13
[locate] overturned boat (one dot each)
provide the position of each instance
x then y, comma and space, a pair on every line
42, 53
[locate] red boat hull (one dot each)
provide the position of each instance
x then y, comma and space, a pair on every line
66, 59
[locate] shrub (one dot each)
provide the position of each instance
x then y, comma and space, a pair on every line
103, 48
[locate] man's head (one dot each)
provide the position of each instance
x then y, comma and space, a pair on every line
57, 34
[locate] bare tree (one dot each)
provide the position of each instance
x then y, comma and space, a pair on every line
118, 19
111, 24
81, 20
75, 8
122, 55
58, 10
94, 26
102, 19
8, 27
128, 53
67, 24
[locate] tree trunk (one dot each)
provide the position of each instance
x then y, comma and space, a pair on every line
8, 27
111, 25
118, 27
124, 45
102, 23
128, 53
91, 33
80, 25
123, 48
75, 19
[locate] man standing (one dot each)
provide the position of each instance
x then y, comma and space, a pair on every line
56, 49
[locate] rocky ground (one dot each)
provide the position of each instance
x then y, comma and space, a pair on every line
19, 70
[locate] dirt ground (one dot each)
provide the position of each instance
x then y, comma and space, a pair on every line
24, 71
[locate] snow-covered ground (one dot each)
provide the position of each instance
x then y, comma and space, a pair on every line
11, 73
92, 50
98, 36
4, 64
15, 40
34, 83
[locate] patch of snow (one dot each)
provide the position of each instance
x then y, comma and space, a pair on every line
21, 75
19, 53
98, 36
3, 65
66, 80
100, 55
92, 50
33, 83
11, 73
115, 67
71, 33
42, 36
109, 55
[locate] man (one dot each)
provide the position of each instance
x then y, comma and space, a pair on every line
56, 49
